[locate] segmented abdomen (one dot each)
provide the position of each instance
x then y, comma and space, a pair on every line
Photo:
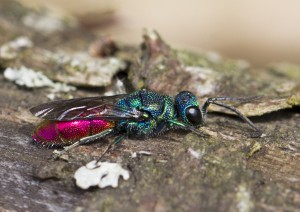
61, 133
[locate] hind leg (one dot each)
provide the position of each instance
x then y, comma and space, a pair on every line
118, 140
84, 140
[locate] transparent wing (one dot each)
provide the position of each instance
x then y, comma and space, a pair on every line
85, 108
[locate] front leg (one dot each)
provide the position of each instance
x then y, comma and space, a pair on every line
180, 125
160, 129
219, 101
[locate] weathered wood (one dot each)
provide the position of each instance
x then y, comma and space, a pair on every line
233, 171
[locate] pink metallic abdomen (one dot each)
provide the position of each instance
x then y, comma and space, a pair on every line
61, 133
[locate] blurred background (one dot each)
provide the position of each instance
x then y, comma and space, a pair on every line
258, 31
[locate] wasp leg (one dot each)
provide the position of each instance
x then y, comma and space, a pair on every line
84, 140
216, 100
160, 129
180, 125
118, 140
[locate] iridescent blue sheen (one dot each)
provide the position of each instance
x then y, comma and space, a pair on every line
161, 109
140, 114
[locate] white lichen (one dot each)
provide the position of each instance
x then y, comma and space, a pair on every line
195, 153
32, 79
116, 88
80, 68
142, 152
101, 174
27, 77
133, 154
207, 80
11, 49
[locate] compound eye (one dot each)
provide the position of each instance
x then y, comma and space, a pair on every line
193, 114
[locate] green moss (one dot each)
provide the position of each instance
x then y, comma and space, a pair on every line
294, 99
287, 70
254, 148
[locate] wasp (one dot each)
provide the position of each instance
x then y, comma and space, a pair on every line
139, 115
